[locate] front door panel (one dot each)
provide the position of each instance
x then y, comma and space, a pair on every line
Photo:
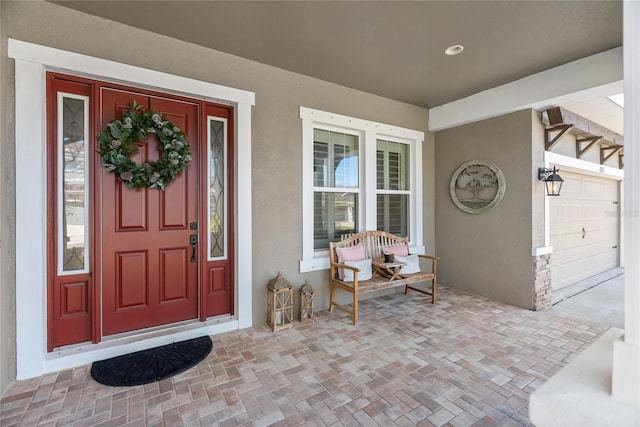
149, 269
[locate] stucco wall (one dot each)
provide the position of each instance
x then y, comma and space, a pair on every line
488, 254
276, 132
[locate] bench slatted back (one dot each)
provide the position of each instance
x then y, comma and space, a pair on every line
373, 242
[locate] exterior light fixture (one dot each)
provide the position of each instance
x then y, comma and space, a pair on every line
552, 181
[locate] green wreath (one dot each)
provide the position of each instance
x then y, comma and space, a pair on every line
118, 143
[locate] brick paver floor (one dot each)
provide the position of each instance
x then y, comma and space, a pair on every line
465, 361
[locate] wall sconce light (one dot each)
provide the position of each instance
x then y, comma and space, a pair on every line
552, 181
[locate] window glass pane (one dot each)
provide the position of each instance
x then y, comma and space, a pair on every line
217, 174
335, 159
392, 213
73, 179
320, 161
335, 214
392, 166
345, 160
380, 155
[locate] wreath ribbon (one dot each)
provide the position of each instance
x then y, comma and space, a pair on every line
117, 143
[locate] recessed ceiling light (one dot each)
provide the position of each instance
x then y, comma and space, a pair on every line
454, 50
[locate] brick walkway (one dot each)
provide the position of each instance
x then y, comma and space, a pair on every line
465, 361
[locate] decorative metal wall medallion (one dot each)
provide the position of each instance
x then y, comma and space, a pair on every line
477, 186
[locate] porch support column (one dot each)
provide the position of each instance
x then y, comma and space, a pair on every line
626, 350
601, 386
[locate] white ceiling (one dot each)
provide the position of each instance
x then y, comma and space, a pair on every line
393, 49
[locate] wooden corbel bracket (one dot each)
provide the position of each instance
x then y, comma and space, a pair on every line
607, 152
589, 140
550, 142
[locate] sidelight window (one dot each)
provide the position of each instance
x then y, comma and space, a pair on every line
73, 182
217, 158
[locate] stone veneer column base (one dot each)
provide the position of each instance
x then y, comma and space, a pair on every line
542, 282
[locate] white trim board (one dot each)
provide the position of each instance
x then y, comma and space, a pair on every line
571, 164
31, 63
79, 64
319, 116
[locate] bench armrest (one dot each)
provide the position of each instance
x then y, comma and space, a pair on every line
434, 262
350, 267
356, 270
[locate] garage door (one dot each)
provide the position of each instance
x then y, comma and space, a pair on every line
584, 228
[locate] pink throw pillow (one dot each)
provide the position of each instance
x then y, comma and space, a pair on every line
397, 250
351, 253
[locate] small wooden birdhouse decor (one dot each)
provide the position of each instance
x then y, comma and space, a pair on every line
279, 303
306, 302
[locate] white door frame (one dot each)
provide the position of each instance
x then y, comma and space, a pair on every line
31, 64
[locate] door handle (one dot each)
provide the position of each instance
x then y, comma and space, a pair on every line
193, 240
584, 232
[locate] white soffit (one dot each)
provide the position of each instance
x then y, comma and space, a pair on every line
596, 76
602, 111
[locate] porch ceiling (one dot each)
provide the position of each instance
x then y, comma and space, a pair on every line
393, 49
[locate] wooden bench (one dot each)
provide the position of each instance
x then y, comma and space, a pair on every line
374, 243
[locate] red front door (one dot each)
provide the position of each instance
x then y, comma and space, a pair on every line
149, 267
122, 260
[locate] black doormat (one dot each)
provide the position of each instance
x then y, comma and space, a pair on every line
154, 364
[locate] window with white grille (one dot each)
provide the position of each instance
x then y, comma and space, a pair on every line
357, 175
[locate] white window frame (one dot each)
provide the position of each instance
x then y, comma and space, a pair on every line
313, 260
